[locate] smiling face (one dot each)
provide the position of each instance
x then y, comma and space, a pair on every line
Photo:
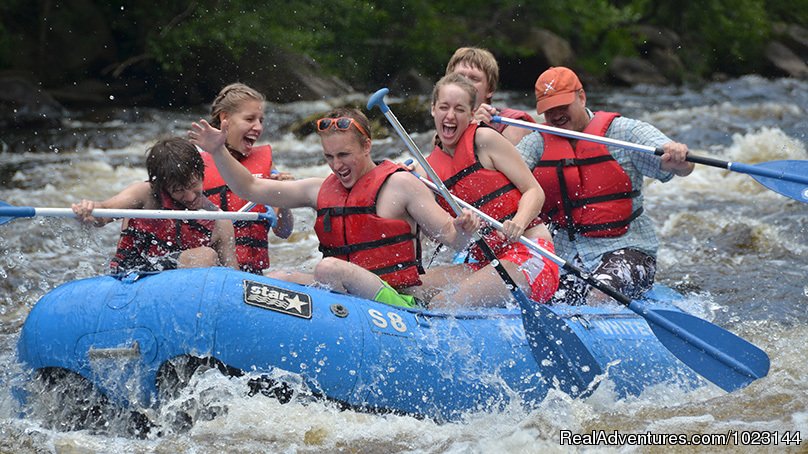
244, 126
347, 155
572, 116
452, 111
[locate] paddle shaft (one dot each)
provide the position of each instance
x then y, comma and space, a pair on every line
731, 166
30, 212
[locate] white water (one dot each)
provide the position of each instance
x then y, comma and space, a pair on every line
737, 249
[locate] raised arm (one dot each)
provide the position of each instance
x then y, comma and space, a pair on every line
280, 194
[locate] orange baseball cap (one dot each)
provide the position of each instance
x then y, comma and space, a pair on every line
556, 87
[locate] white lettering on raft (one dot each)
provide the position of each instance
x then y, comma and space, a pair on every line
621, 327
396, 322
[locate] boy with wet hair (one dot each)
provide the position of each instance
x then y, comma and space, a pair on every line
175, 171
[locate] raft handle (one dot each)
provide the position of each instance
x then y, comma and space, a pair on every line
132, 351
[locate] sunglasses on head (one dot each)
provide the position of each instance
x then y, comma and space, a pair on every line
341, 123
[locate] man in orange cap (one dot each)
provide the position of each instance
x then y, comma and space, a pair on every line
594, 192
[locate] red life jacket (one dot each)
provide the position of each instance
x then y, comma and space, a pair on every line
349, 228
159, 237
490, 191
585, 190
251, 236
511, 113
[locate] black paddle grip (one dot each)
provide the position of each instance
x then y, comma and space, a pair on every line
699, 159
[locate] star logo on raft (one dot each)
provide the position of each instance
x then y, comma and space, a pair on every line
277, 299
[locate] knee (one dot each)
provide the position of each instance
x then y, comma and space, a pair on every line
329, 270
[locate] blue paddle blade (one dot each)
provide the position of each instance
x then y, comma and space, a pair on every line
711, 351
4, 219
11, 212
793, 190
551, 339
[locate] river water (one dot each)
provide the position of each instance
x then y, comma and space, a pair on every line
737, 250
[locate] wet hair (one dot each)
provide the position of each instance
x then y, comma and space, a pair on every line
230, 98
350, 112
455, 79
173, 163
478, 58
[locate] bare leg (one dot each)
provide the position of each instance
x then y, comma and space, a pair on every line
200, 257
342, 276
439, 279
290, 276
482, 288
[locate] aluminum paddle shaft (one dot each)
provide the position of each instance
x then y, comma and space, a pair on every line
788, 177
8, 212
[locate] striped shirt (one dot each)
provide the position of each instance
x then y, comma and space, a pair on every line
640, 234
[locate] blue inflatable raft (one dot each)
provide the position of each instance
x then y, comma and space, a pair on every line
118, 333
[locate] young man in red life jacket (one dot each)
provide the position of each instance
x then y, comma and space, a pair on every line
481, 167
368, 215
594, 192
481, 68
243, 108
175, 172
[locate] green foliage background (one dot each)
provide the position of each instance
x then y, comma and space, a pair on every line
367, 42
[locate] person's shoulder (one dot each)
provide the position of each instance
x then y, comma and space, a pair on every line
484, 130
634, 130
402, 177
486, 134
627, 122
403, 184
140, 187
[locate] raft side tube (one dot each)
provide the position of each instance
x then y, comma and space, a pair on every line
263, 324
